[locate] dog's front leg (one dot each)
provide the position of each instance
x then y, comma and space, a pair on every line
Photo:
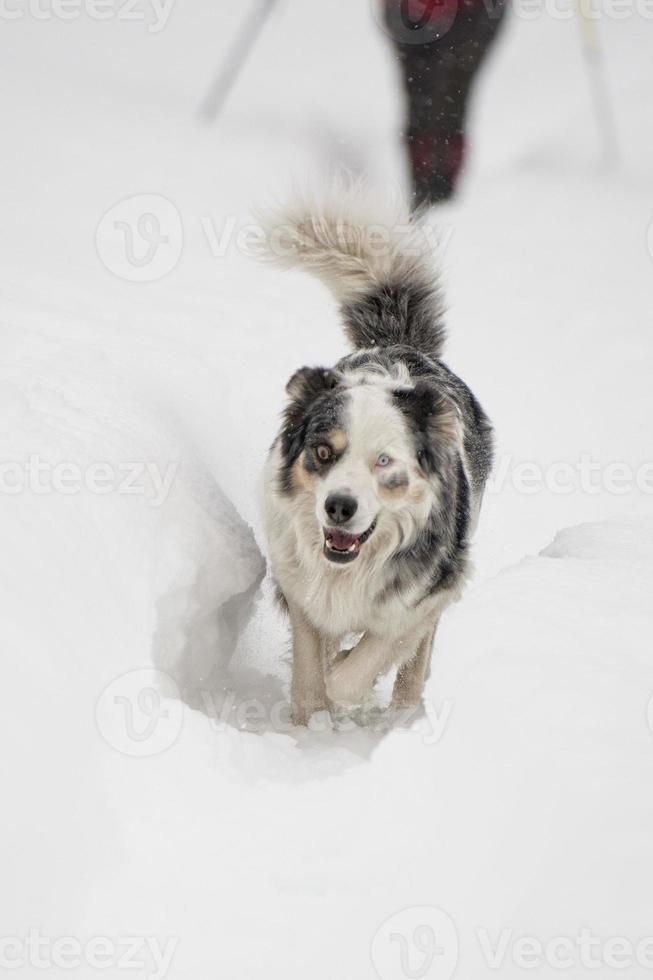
412, 676
308, 690
353, 677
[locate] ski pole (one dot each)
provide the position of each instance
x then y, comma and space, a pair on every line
598, 84
236, 58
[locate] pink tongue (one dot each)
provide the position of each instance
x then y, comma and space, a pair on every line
341, 540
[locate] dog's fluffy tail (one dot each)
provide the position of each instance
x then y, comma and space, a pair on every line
375, 259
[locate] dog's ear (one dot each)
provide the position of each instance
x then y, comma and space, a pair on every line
433, 418
304, 388
308, 383
417, 402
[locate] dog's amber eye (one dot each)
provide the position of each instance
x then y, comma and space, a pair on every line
324, 453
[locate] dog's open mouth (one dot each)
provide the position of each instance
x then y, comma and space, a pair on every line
341, 546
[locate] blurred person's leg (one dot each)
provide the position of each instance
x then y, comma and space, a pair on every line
440, 46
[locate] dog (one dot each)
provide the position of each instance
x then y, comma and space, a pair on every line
373, 486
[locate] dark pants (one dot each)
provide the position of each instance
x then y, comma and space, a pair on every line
440, 45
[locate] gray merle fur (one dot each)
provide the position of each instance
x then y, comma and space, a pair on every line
408, 314
402, 325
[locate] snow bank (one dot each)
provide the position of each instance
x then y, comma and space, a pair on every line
241, 851
120, 554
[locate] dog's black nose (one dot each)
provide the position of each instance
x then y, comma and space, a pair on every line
340, 508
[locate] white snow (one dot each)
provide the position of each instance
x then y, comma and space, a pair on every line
152, 786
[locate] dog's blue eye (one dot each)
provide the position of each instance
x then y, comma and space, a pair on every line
383, 460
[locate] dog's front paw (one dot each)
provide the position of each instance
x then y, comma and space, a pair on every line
341, 687
301, 712
299, 715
